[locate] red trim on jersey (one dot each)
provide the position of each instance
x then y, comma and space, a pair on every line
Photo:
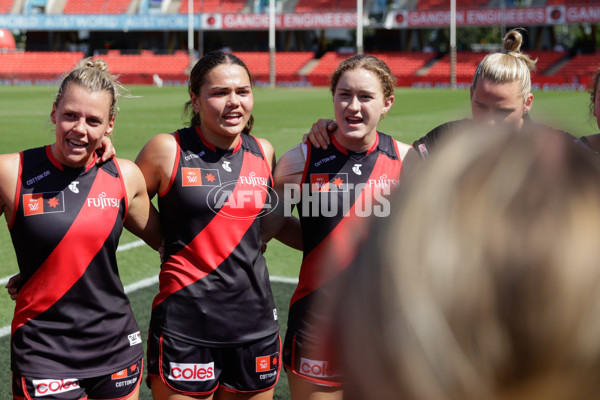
338, 145
175, 166
211, 246
340, 245
212, 146
306, 163
239, 143
17, 191
53, 160
204, 140
58, 164
344, 150
262, 151
62, 269
375, 144
125, 197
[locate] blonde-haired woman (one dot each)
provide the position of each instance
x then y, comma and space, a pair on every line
484, 282
73, 334
500, 95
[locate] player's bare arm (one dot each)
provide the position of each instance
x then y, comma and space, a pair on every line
9, 173
288, 173
142, 217
156, 160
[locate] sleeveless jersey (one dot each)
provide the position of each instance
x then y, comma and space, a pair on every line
72, 317
214, 284
340, 190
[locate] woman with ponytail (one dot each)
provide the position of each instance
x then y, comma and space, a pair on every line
500, 95
73, 333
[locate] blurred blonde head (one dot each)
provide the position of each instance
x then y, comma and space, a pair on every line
510, 65
484, 283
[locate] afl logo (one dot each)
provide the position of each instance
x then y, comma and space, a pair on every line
356, 169
242, 202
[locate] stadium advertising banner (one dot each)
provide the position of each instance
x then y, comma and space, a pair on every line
282, 21
495, 16
549, 15
176, 21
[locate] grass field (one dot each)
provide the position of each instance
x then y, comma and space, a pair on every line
282, 116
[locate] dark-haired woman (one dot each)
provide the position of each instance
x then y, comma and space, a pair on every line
214, 329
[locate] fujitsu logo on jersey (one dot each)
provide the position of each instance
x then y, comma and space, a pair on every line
192, 372
383, 182
254, 180
102, 201
47, 387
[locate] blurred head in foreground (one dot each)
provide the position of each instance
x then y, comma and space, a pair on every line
484, 283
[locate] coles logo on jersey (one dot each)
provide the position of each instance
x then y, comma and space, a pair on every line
317, 368
329, 182
267, 363
43, 203
200, 177
192, 372
48, 387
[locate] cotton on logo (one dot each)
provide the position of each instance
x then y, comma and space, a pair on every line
47, 387
315, 368
192, 372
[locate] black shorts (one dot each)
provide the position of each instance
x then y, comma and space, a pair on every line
199, 370
120, 384
311, 361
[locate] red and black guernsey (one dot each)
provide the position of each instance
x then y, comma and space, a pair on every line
72, 317
214, 283
345, 188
